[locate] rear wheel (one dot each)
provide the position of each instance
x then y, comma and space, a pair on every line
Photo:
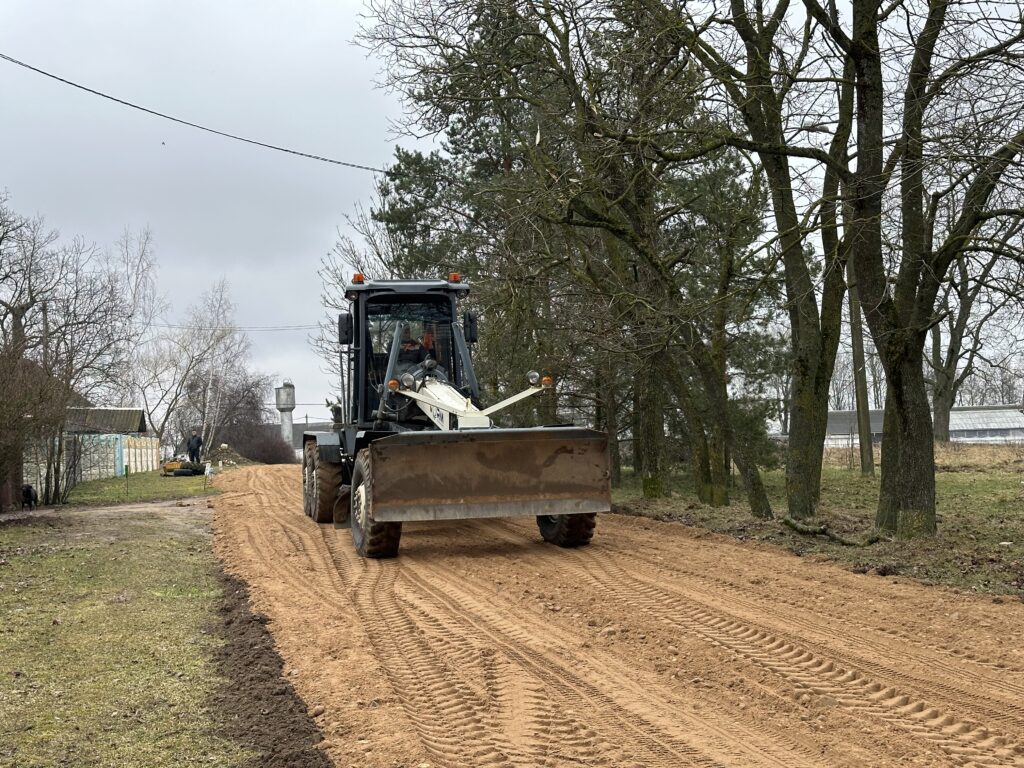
320, 483
567, 530
370, 539
308, 483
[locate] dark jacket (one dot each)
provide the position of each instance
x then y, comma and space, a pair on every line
412, 352
195, 443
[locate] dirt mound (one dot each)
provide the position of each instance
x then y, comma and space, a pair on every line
259, 707
229, 456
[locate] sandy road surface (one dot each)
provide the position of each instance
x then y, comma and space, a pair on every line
655, 646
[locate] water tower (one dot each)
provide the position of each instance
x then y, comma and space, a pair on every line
285, 395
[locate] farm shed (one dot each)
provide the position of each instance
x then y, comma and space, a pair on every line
968, 424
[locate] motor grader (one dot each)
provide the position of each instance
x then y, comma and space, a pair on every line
411, 441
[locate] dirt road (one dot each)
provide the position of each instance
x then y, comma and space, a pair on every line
655, 646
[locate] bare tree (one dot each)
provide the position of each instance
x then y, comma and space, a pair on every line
979, 318
63, 308
166, 364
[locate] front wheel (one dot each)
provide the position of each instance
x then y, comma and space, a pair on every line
567, 530
370, 539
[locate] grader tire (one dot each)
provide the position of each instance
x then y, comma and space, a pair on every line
567, 530
320, 483
370, 539
308, 483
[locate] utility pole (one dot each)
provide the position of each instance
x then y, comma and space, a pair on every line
860, 379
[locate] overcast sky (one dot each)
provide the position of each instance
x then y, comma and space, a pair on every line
282, 73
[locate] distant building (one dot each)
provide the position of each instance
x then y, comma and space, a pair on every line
98, 443
969, 424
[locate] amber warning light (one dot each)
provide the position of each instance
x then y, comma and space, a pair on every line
358, 278
454, 277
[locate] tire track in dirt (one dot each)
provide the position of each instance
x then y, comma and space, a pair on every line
993, 673
600, 686
1001, 692
521, 704
451, 654
965, 741
452, 722
990, 695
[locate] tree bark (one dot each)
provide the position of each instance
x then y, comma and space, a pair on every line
651, 404
942, 404
807, 426
909, 493
606, 417
639, 448
860, 381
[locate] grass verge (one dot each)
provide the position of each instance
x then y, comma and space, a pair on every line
141, 487
105, 647
979, 546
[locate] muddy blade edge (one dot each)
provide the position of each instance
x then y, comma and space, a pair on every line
490, 473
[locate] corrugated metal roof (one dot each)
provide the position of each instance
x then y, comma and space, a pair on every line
106, 421
960, 419
1008, 417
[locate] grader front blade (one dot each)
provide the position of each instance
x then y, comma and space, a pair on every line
489, 473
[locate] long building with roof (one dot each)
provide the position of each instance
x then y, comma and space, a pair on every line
967, 424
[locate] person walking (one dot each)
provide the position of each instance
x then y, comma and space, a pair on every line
194, 444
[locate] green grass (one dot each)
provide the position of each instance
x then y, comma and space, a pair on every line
144, 486
978, 511
105, 658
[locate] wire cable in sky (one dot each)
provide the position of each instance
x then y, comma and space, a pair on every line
178, 120
246, 328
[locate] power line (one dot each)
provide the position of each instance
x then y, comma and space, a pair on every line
173, 119
246, 328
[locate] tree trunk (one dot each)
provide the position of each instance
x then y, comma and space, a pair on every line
717, 451
606, 417
897, 315
943, 387
650, 442
638, 446
887, 513
814, 341
700, 466
860, 381
717, 394
612, 422
756, 495
808, 423
906, 504
942, 404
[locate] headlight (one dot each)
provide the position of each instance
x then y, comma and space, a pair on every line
408, 381
534, 378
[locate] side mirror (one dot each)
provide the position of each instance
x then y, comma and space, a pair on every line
345, 328
469, 329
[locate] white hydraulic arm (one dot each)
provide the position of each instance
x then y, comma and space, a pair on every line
440, 402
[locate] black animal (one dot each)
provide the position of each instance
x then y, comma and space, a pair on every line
29, 497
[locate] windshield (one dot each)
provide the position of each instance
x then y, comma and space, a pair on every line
427, 332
